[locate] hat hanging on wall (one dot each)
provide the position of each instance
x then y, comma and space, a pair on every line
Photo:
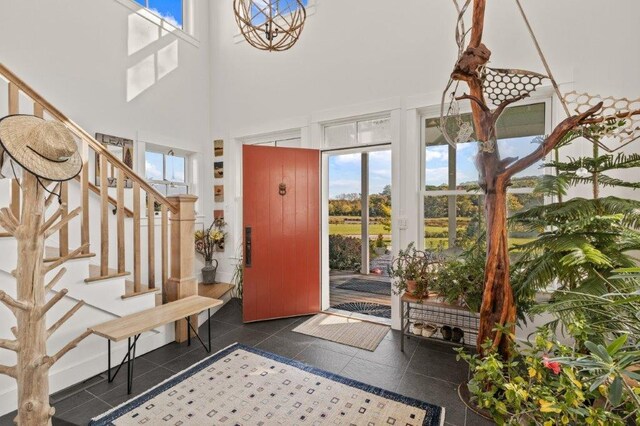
47, 149
273, 25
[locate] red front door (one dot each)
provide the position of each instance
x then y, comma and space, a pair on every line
281, 209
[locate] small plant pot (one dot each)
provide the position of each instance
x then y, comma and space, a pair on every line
380, 250
457, 335
447, 333
416, 328
429, 330
209, 272
412, 286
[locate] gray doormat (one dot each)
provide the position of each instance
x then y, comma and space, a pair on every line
346, 330
364, 285
366, 308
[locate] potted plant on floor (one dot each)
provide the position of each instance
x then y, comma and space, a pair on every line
207, 242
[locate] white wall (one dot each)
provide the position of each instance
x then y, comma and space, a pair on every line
365, 56
111, 70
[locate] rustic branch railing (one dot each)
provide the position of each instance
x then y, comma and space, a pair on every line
110, 204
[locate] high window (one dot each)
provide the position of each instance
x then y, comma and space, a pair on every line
166, 172
453, 202
171, 11
364, 132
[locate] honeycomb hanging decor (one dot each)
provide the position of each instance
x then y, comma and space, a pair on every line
615, 126
506, 84
272, 25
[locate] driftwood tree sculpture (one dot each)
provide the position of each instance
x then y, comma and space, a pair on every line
495, 173
30, 307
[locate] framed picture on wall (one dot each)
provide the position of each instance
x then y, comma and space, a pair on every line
121, 148
218, 148
218, 193
218, 214
218, 170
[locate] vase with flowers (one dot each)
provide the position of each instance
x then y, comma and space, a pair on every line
208, 241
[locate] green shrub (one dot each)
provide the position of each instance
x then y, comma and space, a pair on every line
345, 253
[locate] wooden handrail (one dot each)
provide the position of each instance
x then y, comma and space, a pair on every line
90, 140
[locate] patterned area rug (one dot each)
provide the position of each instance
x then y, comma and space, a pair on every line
345, 330
366, 308
364, 285
241, 385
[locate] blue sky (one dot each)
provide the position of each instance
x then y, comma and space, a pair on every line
437, 158
344, 173
170, 10
344, 170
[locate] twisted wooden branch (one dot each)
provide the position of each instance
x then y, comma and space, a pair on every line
53, 195
50, 360
12, 303
53, 229
64, 318
551, 142
9, 371
55, 299
8, 221
11, 345
54, 265
54, 216
55, 279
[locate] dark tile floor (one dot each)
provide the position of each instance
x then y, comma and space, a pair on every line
427, 370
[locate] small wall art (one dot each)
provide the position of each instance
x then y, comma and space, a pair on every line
218, 192
218, 214
218, 170
218, 148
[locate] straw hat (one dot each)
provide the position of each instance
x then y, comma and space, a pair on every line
45, 148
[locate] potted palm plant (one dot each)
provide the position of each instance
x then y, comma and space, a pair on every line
209, 241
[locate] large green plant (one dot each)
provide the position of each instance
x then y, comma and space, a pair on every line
549, 383
580, 241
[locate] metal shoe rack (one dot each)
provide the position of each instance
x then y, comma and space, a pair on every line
433, 310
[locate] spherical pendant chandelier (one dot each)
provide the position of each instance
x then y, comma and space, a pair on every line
272, 25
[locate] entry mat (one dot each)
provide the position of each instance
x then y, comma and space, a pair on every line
241, 385
345, 330
363, 285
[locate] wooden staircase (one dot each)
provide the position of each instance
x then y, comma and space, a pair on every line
164, 262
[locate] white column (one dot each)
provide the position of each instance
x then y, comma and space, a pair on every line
364, 207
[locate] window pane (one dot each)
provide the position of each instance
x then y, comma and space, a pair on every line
173, 189
153, 165
340, 135
175, 168
436, 222
517, 203
436, 167
169, 10
161, 188
374, 131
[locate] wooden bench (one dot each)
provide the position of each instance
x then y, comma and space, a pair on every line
132, 326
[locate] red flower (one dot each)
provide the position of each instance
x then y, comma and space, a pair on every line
551, 365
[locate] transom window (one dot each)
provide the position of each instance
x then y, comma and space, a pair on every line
171, 11
166, 172
453, 202
364, 132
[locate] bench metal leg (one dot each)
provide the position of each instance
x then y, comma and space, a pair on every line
195, 332
129, 358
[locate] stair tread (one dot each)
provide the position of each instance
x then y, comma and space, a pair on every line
52, 254
214, 291
144, 289
95, 275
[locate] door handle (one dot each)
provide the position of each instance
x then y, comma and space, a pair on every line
247, 247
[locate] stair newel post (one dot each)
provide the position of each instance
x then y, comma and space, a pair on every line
182, 282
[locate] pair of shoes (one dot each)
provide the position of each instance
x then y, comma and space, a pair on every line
454, 335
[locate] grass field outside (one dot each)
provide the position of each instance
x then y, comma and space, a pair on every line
435, 231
